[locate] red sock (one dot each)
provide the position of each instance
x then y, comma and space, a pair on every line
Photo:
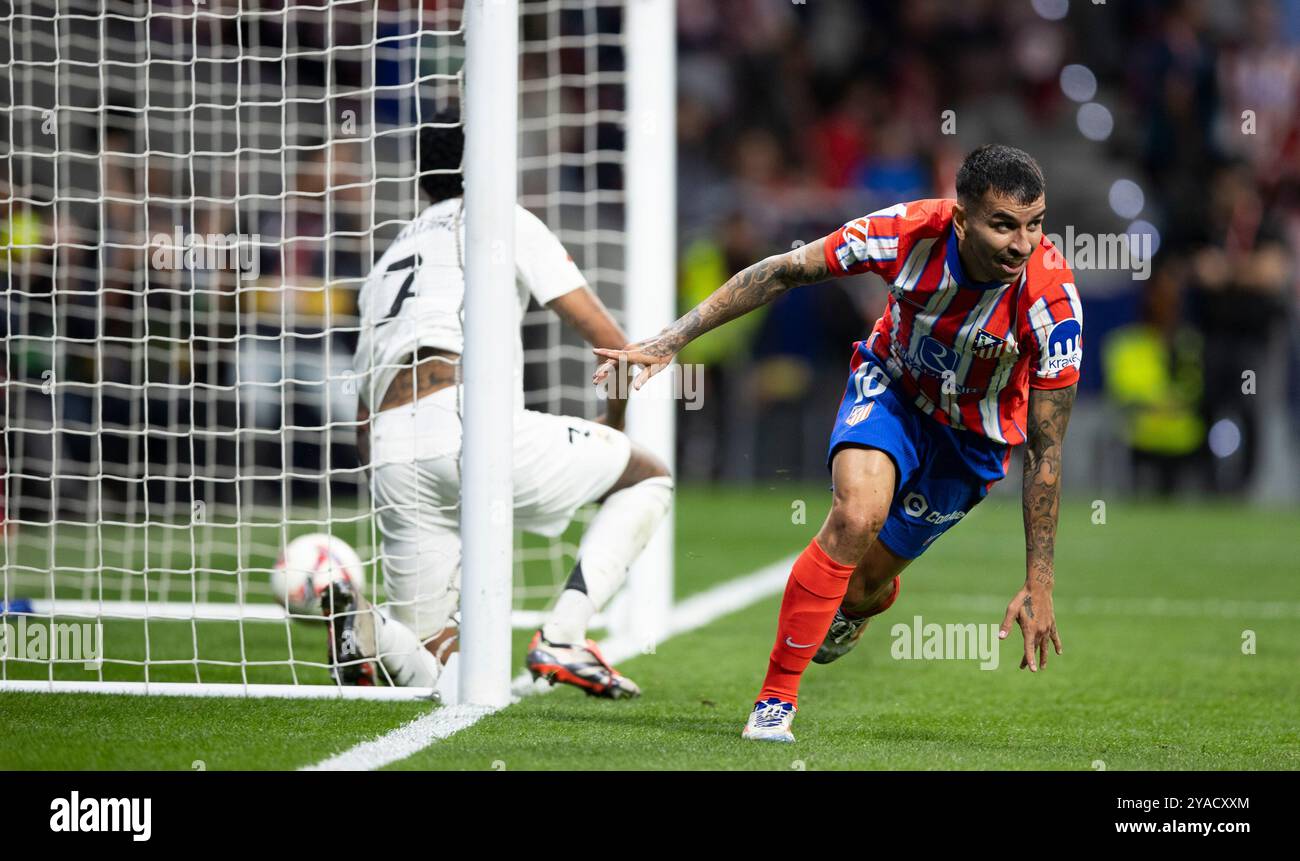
816, 586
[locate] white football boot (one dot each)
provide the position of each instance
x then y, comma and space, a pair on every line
770, 721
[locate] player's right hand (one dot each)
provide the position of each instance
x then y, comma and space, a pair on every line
1032, 608
652, 355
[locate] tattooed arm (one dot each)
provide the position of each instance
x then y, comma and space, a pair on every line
1049, 413
748, 289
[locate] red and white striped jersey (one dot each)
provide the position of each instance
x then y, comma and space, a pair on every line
965, 353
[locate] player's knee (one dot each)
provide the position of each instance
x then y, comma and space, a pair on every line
853, 527
650, 465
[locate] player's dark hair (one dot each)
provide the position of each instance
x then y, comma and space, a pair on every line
441, 149
1009, 171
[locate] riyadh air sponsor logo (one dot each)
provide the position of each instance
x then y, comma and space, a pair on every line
938, 357
917, 506
1064, 346
934, 359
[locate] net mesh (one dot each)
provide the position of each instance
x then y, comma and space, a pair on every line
191, 194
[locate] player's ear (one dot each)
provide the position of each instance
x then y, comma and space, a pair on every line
959, 220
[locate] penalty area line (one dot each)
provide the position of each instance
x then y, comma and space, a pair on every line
691, 614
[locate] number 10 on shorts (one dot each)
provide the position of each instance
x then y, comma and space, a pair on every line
869, 380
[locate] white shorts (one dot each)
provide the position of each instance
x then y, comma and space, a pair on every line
560, 464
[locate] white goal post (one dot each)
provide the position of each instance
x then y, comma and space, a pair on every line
190, 198
487, 512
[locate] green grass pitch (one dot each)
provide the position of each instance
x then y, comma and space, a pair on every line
1159, 609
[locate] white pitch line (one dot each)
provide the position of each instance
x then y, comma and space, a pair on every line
213, 611
162, 611
408, 739
439, 724
709, 606
213, 689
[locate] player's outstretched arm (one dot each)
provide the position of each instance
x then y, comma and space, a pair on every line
1049, 413
748, 289
583, 312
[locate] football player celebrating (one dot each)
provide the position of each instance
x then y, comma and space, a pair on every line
977, 351
409, 430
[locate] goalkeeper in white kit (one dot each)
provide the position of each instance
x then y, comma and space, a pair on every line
409, 430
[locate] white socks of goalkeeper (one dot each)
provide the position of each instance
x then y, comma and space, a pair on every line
617, 535
408, 663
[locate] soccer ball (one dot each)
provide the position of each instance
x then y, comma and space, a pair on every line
308, 566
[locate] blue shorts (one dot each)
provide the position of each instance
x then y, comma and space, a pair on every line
942, 473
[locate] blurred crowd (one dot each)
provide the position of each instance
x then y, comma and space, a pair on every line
183, 239
796, 117
177, 244
793, 117
139, 346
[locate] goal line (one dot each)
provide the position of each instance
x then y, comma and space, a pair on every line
211, 611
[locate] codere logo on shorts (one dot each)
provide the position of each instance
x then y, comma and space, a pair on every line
916, 505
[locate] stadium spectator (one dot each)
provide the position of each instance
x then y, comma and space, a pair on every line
1153, 376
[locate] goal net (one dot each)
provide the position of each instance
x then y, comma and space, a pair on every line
191, 194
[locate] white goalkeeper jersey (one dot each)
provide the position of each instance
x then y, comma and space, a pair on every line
414, 296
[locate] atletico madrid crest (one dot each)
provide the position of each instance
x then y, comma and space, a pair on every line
988, 345
858, 413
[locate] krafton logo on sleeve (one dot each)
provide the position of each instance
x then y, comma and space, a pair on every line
132, 815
